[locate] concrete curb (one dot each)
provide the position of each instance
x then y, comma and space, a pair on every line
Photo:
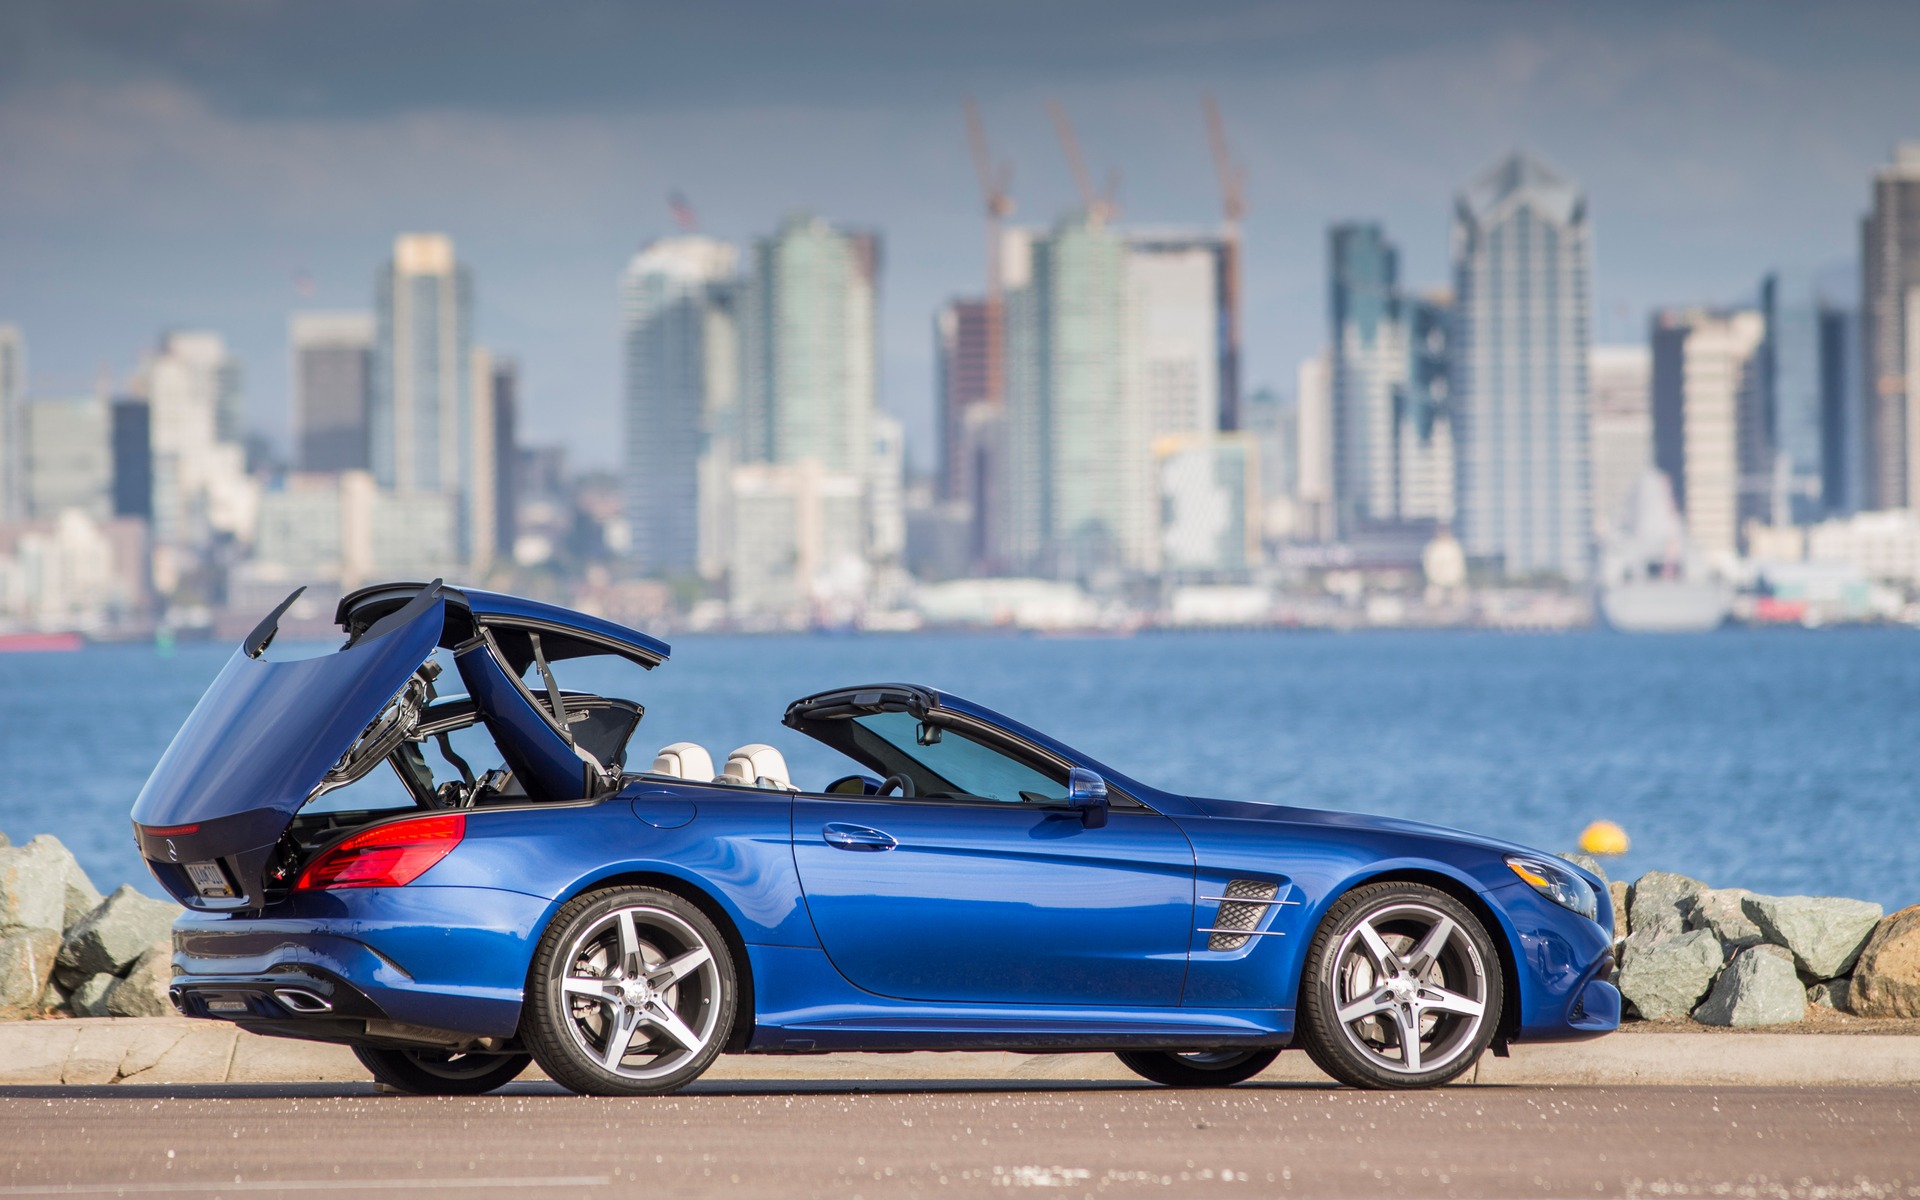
174, 1050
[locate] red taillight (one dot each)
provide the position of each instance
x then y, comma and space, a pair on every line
386, 856
171, 830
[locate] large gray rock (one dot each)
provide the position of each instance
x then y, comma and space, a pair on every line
1664, 977
81, 896
33, 890
90, 998
1824, 933
1618, 891
1719, 911
1660, 903
1886, 979
143, 993
1760, 987
1836, 994
115, 934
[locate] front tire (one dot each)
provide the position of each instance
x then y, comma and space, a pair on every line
1402, 988
438, 1073
1197, 1068
631, 993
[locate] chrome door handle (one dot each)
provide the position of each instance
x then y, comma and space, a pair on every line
842, 836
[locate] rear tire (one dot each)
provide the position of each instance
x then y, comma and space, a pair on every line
1197, 1068
1402, 988
438, 1073
632, 993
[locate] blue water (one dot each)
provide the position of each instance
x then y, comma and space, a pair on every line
1784, 762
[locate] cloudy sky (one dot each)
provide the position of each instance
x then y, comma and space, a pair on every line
189, 162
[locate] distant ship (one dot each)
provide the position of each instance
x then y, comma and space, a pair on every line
1652, 580
39, 643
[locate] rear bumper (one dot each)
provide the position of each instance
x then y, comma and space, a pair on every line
321, 965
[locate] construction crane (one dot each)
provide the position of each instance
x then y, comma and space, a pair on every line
1233, 205
1101, 206
995, 179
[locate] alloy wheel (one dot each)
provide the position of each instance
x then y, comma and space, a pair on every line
641, 991
1410, 989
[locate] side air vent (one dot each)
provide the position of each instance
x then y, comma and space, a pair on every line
1242, 906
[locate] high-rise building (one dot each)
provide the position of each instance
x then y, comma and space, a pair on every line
677, 298
1709, 422
428, 431
962, 380
69, 459
1621, 382
506, 459
1314, 386
1178, 330
13, 399
1209, 502
1368, 361
1843, 412
1889, 340
1390, 360
808, 334
132, 458
1522, 257
200, 483
332, 388
1080, 466
973, 423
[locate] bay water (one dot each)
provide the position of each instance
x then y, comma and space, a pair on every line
1786, 762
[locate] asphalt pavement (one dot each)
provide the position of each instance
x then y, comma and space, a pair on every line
870, 1139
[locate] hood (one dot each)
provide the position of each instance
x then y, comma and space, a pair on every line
1245, 810
264, 737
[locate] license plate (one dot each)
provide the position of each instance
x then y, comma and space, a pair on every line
209, 880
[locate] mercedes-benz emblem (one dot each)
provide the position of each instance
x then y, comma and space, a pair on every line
173, 851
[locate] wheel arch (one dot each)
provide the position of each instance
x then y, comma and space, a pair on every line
702, 899
1490, 920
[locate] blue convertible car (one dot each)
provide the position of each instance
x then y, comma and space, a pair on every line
529, 889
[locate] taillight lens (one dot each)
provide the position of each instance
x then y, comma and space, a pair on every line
385, 856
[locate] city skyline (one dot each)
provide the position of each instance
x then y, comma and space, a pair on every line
236, 181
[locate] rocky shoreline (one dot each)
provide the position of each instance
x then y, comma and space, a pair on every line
67, 951
1682, 950
1734, 958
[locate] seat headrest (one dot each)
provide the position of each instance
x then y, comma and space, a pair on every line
684, 760
757, 765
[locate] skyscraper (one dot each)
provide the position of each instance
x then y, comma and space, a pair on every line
1709, 422
13, 399
332, 387
1622, 428
200, 485
1368, 360
69, 458
677, 299
1176, 323
809, 346
1522, 266
423, 429
1080, 465
1843, 412
132, 458
1889, 343
961, 381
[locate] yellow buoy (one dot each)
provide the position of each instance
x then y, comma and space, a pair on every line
1604, 837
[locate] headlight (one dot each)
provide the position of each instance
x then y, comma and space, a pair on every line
1557, 884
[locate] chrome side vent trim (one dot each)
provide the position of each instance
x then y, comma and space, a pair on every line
1242, 905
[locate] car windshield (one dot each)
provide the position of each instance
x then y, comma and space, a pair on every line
955, 767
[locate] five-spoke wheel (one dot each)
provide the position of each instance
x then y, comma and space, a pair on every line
631, 993
1402, 988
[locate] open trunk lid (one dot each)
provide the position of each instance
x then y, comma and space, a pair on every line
262, 739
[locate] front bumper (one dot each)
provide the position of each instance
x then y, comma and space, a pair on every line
323, 965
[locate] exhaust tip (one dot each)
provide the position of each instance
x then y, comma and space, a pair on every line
301, 1001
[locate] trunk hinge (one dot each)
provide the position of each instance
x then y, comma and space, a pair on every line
555, 700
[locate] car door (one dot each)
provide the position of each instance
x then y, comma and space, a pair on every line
989, 892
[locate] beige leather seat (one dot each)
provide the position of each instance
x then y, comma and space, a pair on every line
757, 765
684, 760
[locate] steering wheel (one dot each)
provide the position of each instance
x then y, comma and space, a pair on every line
904, 784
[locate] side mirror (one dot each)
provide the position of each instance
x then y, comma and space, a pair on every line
1087, 795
